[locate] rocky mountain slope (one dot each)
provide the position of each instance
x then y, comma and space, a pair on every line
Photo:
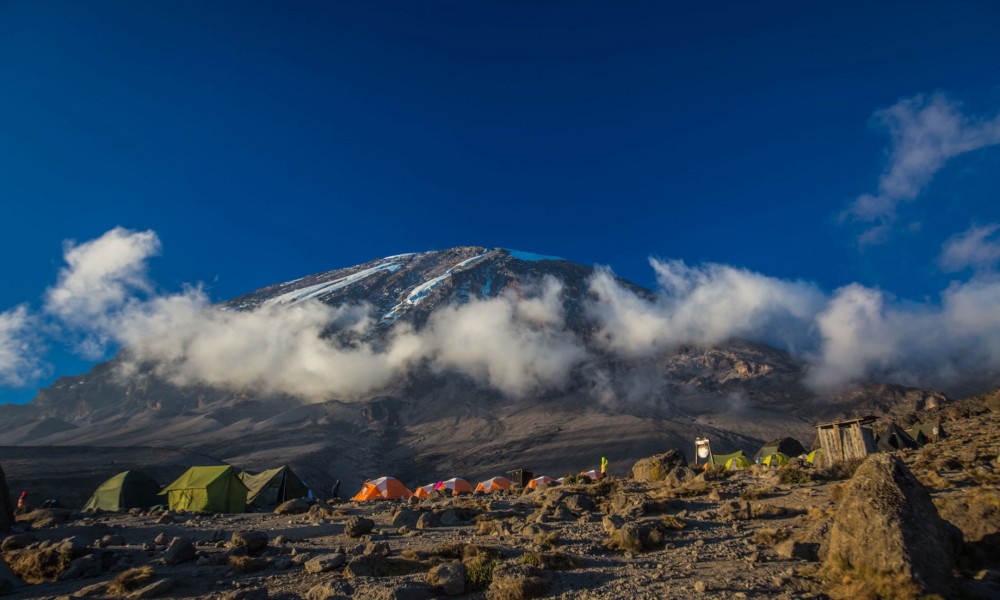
430, 423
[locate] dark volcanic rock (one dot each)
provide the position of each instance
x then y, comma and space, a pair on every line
887, 525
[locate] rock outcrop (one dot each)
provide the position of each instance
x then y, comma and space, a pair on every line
659, 467
887, 528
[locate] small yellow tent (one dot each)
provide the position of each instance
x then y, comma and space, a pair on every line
776, 459
213, 489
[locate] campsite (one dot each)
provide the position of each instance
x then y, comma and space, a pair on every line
734, 525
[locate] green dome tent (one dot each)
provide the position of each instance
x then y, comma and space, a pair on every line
270, 488
213, 489
128, 489
736, 460
790, 447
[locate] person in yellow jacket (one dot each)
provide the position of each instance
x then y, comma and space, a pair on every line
604, 467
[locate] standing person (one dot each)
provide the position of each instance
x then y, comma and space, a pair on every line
22, 503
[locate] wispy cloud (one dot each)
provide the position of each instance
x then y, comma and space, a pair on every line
20, 347
925, 132
977, 248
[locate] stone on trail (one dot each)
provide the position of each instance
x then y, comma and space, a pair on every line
180, 550
296, 506
887, 526
448, 577
325, 562
253, 540
358, 526
157, 588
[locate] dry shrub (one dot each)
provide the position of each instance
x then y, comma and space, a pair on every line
548, 539
771, 537
865, 583
794, 476
755, 493
37, 566
247, 564
130, 580
556, 561
479, 572
518, 588
492, 527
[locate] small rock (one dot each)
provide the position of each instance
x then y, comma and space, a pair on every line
380, 548
250, 594
161, 540
154, 589
366, 565
296, 506
331, 590
448, 577
794, 549
253, 540
165, 520
85, 566
180, 550
358, 526
325, 562
700, 587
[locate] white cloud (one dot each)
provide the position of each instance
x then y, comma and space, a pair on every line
977, 248
516, 344
101, 277
925, 133
20, 349
701, 305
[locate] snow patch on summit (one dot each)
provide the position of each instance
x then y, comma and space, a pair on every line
423, 290
314, 291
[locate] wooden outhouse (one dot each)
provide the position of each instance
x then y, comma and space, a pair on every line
844, 440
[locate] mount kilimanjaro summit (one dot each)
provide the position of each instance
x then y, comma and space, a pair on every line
468, 361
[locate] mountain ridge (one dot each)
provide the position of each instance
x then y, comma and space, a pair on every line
430, 421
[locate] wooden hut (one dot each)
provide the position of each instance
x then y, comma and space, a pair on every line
844, 440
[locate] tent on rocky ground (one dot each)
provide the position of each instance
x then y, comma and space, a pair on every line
213, 489
592, 474
736, 460
925, 433
456, 485
815, 457
424, 491
895, 438
270, 488
790, 447
494, 484
778, 459
128, 489
383, 488
539, 481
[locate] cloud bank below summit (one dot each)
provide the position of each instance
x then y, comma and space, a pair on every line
516, 344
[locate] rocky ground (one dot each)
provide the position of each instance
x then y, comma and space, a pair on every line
758, 533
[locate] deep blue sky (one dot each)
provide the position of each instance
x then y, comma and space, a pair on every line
263, 141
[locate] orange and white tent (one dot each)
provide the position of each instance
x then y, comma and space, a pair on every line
457, 485
494, 484
537, 481
424, 490
383, 488
594, 474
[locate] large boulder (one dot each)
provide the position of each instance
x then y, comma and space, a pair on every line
6, 508
659, 467
887, 531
